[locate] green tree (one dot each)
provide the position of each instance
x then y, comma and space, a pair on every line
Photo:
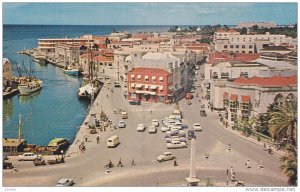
243, 31
283, 122
289, 164
204, 40
255, 28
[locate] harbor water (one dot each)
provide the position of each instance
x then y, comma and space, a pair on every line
55, 111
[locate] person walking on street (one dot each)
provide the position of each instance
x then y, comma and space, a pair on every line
120, 163
175, 163
248, 164
98, 139
132, 161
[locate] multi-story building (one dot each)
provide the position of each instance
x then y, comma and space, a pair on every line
150, 84
67, 53
247, 97
232, 41
46, 46
6, 72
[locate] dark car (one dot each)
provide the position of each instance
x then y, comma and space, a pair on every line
135, 102
203, 113
183, 126
191, 134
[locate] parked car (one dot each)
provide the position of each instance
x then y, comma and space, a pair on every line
135, 102
152, 129
197, 127
189, 96
108, 82
124, 115
164, 129
183, 126
65, 182
122, 124
175, 138
5, 157
203, 113
176, 145
117, 84
27, 157
155, 122
166, 156
191, 134
141, 127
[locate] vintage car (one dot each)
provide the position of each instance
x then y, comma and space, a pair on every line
166, 156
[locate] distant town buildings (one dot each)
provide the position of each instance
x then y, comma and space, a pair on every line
6, 73
258, 24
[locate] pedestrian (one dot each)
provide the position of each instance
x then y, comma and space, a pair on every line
132, 161
231, 170
120, 163
15, 169
98, 138
115, 127
232, 177
106, 95
248, 164
229, 147
108, 170
261, 164
265, 147
175, 162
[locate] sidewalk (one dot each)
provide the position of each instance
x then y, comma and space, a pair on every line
250, 139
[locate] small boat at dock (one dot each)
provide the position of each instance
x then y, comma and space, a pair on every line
71, 71
29, 85
58, 144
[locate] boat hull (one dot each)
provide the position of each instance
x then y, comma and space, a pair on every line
74, 72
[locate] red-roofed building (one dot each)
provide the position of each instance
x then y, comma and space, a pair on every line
217, 57
149, 84
244, 98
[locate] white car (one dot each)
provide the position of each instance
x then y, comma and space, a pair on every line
176, 138
176, 145
166, 156
27, 157
122, 124
152, 129
65, 182
197, 127
141, 127
164, 129
155, 122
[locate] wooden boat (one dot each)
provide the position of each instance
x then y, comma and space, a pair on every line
58, 144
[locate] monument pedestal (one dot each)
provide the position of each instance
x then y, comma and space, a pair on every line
192, 181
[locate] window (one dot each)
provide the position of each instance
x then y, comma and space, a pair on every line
243, 46
231, 46
153, 78
161, 79
215, 75
139, 77
250, 51
146, 78
237, 46
250, 46
225, 46
224, 75
132, 78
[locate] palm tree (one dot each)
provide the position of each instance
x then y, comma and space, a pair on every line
283, 122
289, 166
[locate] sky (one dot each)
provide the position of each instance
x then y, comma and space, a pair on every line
147, 13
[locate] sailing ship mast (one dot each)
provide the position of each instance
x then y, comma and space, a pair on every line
20, 129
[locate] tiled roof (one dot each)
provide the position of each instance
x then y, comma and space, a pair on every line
225, 56
275, 48
102, 58
275, 81
144, 70
232, 31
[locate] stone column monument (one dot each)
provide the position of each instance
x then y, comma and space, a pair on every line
192, 180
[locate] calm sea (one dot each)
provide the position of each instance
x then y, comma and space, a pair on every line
55, 111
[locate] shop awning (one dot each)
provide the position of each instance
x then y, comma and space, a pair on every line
153, 87
225, 95
233, 97
161, 78
145, 92
146, 86
161, 88
245, 99
139, 86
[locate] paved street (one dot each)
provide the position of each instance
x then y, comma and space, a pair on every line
87, 169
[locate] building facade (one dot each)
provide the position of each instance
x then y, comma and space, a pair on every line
149, 84
6, 72
248, 97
